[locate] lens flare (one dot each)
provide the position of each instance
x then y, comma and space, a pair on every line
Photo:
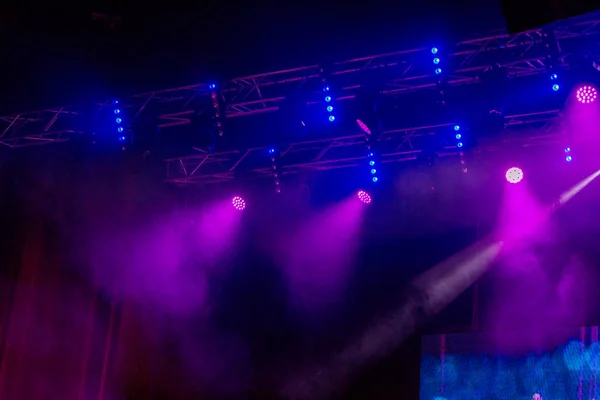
238, 203
586, 94
364, 196
514, 175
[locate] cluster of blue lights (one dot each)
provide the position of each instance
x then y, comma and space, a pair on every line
372, 166
436, 60
328, 103
119, 121
568, 157
554, 79
458, 136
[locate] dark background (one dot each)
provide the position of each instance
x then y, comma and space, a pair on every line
55, 54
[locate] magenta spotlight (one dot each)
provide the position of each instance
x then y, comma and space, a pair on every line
363, 126
238, 203
586, 94
514, 175
364, 196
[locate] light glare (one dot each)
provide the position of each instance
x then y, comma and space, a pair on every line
364, 197
586, 94
514, 175
238, 203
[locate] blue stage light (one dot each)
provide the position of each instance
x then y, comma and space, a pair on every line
326, 89
120, 129
371, 163
117, 111
458, 136
567, 149
115, 102
122, 138
438, 71
434, 50
212, 86
330, 108
459, 144
331, 118
271, 151
328, 98
118, 120
569, 158
553, 77
373, 171
555, 87
436, 60
375, 179
457, 128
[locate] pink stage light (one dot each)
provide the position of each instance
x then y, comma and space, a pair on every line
586, 94
363, 126
364, 196
514, 175
238, 203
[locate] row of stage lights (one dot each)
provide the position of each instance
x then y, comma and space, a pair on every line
513, 175
585, 94
119, 121
328, 102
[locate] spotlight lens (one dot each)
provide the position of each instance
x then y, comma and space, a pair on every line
328, 98
371, 163
238, 203
364, 196
438, 71
586, 94
555, 87
554, 77
120, 129
118, 120
567, 149
457, 127
569, 158
329, 108
117, 111
436, 60
375, 179
459, 144
331, 118
514, 175
434, 50
458, 136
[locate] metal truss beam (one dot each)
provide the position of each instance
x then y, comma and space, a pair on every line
345, 152
522, 54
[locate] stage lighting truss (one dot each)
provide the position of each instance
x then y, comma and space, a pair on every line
274, 156
349, 151
262, 93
